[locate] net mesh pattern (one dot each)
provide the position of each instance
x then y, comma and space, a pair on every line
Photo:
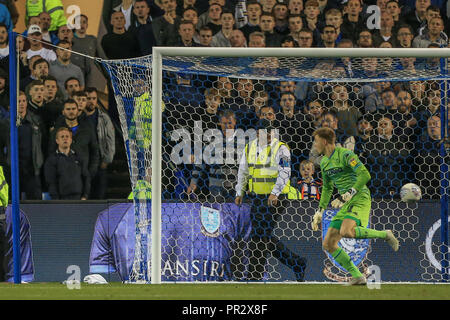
388, 111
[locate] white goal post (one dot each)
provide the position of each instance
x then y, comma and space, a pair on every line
157, 58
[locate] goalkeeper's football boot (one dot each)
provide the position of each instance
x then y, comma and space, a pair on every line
392, 240
358, 281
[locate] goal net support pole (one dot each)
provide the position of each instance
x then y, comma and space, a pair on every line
156, 167
444, 187
157, 58
15, 193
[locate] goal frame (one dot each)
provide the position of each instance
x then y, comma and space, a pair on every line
157, 58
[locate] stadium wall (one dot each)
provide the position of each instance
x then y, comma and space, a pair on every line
61, 235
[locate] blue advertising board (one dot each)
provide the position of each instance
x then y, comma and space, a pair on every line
62, 235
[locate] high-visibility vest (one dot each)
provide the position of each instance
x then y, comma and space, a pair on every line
140, 128
4, 189
54, 8
142, 191
263, 169
294, 194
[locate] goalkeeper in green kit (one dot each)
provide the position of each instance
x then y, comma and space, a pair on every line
341, 168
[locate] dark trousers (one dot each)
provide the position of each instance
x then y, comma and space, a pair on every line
113, 112
262, 242
99, 184
30, 186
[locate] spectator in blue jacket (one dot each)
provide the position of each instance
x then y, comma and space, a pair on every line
5, 17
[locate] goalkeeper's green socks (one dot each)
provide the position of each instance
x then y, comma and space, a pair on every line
366, 233
344, 260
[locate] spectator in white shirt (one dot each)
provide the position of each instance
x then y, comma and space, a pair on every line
36, 48
126, 7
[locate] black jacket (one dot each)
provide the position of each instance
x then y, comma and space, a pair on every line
84, 143
121, 46
350, 30
4, 143
38, 139
52, 110
67, 176
145, 36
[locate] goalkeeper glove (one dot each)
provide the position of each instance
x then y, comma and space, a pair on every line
336, 203
341, 200
317, 219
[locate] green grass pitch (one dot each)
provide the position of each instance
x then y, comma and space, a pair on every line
119, 291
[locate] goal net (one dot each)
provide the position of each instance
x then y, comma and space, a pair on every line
389, 110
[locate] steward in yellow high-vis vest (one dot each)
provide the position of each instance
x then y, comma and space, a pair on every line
142, 191
4, 199
267, 170
263, 177
263, 169
4, 190
140, 128
54, 8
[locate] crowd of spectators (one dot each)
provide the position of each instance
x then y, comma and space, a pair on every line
66, 137
392, 126
398, 142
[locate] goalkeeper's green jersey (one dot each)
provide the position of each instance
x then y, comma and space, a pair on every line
344, 170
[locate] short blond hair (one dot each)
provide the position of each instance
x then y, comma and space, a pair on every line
311, 3
333, 12
327, 134
257, 34
306, 162
63, 129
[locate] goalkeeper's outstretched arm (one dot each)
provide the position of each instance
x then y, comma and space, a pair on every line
362, 177
327, 191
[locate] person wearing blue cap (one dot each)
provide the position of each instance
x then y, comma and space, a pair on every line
264, 177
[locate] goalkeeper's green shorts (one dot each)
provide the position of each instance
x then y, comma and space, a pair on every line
358, 209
